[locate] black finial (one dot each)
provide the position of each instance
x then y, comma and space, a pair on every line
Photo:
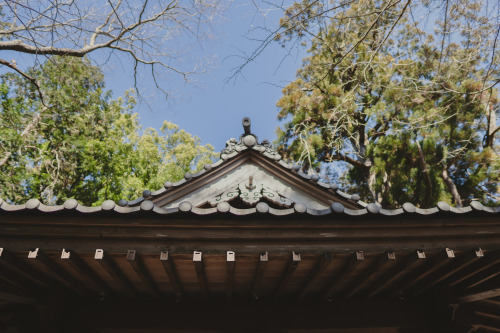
246, 125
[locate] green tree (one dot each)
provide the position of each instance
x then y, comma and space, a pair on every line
81, 143
411, 114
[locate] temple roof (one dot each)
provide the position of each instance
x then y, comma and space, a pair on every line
249, 178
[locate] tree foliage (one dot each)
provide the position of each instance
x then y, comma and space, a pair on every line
411, 113
84, 145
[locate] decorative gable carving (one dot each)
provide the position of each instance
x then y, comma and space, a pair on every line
236, 185
251, 193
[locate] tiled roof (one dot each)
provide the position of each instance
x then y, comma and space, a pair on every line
71, 205
234, 148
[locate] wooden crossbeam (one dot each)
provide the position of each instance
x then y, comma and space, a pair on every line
478, 278
74, 261
324, 260
23, 270
488, 289
389, 265
52, 269
169, 268
365, 278
135, 261
200, 274
259, 274
116, 274
290, 268
11, 277
390, 277
472, 273
440, 259
449, 269
16, 295
347, 269
230, 272
247, 317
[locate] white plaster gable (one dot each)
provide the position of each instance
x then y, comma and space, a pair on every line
237, 181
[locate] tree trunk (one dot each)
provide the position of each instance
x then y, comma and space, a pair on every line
492, 127
30, 127
425, 174
451, 187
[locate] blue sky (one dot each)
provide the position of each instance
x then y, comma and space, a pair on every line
210, 107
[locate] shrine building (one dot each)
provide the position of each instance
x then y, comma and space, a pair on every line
248, 244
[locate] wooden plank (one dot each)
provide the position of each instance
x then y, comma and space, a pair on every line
324, 260
446, 271
200, 274
16, 295
259, 274
440, 259
413, 260
169, 268
134, 259
478, 278
249, 317
58, 273
364, 279
467, 276
10, 276
230, 271
116, 274
351, 265
25, 271
488, 289
290, 268
72, 259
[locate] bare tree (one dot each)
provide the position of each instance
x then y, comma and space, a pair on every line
147, 31
153, 33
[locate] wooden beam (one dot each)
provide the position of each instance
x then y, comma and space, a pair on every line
116, 274
364, 278
134, 259
16, 295
247, 317
198, 265
349, 267
324, 260
448, 270
25, 271
52, 269
74, 261
11, 277
478, 278
440, 259
488, 289
413, 260
259, 274
292, 265
467, 276
230, 272
169, 268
